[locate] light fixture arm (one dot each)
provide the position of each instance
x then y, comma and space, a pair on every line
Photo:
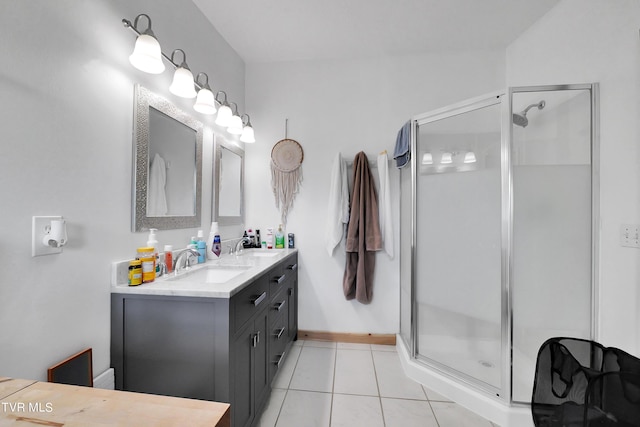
204, 85
234, 110
248, 120
225, 98
183, 64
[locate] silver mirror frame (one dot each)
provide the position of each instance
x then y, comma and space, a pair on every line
227, 220
140, 221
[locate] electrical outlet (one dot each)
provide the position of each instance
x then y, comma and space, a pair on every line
630, 235
38, 231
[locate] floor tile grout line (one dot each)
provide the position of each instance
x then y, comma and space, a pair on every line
375, 373
333, 383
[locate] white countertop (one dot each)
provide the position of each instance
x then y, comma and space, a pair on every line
193, 283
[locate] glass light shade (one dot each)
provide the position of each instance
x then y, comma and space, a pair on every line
446, 158
427, 159
147, 55
235, 125
205, 103
470, 157
182, 84
247, 135
224, 116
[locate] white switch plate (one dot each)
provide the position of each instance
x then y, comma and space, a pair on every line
38, 230
630, 235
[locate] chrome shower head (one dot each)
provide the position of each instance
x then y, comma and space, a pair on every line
520, 119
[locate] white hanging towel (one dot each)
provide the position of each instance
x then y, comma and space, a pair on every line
384, 209
338, 213
156, 196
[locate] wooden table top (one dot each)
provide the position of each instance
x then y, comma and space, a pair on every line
31, 403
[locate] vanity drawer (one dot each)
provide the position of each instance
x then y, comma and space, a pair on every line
280, 276
279, 305
250, 301
278, 340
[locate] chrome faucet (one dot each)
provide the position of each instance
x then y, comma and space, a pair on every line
238, 249
185, 255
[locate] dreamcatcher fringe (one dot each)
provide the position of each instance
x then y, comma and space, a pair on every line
285, 187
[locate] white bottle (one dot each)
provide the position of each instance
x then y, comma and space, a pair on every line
269, 238
153, 242
214, 247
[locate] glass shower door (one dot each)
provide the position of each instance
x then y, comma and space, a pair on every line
458, 241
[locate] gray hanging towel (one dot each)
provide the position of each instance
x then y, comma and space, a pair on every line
402, 152
363, 234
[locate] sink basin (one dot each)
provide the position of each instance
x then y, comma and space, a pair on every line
263, 254
213, 274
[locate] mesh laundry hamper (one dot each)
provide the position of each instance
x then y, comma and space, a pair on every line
581, 383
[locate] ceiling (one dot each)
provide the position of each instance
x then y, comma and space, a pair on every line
294, 30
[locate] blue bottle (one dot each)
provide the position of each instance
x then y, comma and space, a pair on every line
202, 251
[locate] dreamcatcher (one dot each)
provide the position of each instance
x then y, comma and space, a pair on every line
286, 173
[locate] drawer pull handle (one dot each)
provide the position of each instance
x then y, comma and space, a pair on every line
255, 339
279, 306
279, 279
259, 299
279, 334
279, 361
293, 267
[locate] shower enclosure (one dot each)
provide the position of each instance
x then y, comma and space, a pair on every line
498, 242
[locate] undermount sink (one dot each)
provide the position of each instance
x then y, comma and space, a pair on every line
213, 274
262, 254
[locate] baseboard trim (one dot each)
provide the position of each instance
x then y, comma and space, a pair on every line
383, 339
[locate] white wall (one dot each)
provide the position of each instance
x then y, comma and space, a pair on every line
66, 149
346, 106
582, 41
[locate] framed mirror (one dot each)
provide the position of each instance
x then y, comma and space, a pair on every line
229, 185
167, 167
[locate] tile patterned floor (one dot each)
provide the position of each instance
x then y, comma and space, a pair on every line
328, 384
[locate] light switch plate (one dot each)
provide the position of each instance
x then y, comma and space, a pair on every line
38, 231
630, 235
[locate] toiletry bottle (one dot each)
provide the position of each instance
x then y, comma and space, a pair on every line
193, 243
258, 241
214, 247
269, 238
200, 236
280, 238
152, 242
252, 239
147, 259
246, 242
202, 250
168, 257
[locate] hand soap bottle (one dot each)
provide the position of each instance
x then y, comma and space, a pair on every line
152, 242
280, 238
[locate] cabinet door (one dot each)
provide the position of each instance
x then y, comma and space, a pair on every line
250, 381
242, 351
261, 360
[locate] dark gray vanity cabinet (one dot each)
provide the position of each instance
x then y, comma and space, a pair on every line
221, 349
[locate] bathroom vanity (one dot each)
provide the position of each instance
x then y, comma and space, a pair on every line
219, 332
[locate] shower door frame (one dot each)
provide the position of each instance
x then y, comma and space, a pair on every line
505, 99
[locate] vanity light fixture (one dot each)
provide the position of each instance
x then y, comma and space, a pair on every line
427, 159
224, 112
247, 131
146, 55
183, 84
446, 158
205, 102
470, 157
235, 123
